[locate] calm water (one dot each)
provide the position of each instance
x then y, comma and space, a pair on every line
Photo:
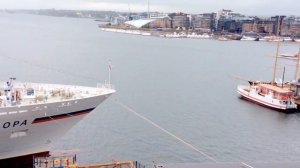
184, 85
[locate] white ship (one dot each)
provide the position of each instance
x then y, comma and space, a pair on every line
269, 95
248, 38
34, 115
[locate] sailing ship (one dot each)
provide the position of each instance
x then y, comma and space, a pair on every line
275, 95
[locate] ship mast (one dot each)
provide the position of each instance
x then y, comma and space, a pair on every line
277, 49
148, 8
297, 65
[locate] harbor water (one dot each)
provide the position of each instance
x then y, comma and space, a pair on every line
186, 86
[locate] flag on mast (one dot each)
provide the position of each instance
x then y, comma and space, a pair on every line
109, 71
109, 65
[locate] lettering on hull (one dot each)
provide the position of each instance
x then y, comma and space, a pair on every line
13, 124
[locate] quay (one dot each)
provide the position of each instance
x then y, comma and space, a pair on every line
68, 161
170, 33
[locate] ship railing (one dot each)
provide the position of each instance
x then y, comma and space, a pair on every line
106, 86
59, 161
114, 164
138, 164
75, 91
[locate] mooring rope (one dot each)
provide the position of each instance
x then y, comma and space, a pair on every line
126, 107
166, 131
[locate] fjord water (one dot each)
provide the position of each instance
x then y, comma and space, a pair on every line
186, 86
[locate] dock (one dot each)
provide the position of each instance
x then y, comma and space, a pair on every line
69, 161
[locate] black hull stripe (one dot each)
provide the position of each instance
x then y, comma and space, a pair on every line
61, 116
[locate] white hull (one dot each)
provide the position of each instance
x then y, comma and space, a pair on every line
32, 128
249, 93
245, 38
135, 32
198, 36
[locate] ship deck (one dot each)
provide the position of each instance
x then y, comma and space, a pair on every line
24, 94
297, 101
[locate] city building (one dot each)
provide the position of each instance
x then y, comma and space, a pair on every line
295, 29
164, 23
228, 21
264, 26
158, 15
118, 20
203, 22
278, 20
222, 22
247, 26
269, 26
136, 16
161, 20
180, 20
291, 27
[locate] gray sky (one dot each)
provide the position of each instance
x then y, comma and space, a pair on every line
249, 7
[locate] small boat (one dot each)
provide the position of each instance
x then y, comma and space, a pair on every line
272, 39
222, 38
289, 56
176, 35
204, 36
247, 38
146, 34
268, 95
287, 39
198, 36
173, 35
233, 36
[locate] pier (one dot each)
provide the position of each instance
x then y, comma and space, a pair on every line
69, 161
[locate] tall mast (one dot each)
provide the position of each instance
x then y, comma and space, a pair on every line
109, 71
148, 10
283, 76
297, 65
277, 49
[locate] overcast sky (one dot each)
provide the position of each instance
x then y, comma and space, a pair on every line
249, 7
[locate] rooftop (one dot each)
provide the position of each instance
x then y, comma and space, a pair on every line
139, 23
275, 88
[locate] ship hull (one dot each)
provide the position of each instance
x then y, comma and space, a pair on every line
31, 129
245, 95
269, 107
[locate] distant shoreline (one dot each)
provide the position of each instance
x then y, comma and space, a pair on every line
193, 35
